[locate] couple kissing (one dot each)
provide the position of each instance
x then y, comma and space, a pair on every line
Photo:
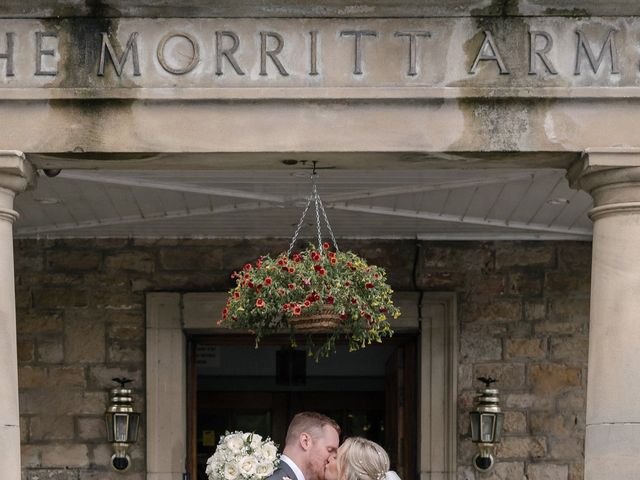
312, 451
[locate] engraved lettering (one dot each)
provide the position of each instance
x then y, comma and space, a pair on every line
195, 53
489, 52
118, 63
541, 53
228, 52
40, 52
358, 34
314, 53
8, 55
583, 46
413, 69
272, 54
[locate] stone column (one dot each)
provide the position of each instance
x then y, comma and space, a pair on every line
16, 174
612, 441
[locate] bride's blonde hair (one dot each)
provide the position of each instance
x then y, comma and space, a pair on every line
362, 459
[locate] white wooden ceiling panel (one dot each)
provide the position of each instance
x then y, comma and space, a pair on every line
549, 210
483, 200
535, 197
458, 204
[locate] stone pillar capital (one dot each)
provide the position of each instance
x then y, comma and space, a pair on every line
16, 172
611, 177
16, 175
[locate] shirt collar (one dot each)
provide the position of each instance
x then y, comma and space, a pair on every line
293, 466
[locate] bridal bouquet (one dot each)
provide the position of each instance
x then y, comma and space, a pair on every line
243, 456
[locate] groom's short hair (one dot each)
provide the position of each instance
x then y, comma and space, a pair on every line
308, 422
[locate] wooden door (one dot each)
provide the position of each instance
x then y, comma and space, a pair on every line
401, 411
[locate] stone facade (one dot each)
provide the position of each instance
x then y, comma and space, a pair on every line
523, 313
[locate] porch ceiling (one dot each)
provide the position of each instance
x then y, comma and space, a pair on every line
376, 203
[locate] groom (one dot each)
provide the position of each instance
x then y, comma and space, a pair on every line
312, 438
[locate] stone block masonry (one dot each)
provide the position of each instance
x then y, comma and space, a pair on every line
523, 313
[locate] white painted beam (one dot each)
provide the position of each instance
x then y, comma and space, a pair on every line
377, 210
177, 214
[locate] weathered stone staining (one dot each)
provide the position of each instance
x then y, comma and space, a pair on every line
588, 51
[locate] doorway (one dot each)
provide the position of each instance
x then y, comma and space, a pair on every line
370, 393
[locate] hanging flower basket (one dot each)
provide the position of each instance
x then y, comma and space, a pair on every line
316, 290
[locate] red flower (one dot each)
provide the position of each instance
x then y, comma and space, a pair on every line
259, 263
260, 303
383, 309
285, 307
297, 258
319, 269
236, 295
291, 286
307, 303
376, 276
297, 310
333, 260
292, 270
281, 291
267, 281
329, 300
250, 284
354, 301
343, 316
225, 312
332, 254
347, 283
282, 262
325, 245
368, 285
315, 256
247, 267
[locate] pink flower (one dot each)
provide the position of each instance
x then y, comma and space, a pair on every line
260, 303
247, 267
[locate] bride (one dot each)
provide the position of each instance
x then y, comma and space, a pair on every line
359, 459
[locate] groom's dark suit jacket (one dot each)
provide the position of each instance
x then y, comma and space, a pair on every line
283, 472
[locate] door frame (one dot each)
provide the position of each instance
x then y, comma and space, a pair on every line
172, 316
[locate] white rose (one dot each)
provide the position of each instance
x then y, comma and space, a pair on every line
230, 471
263, 470
247, 466
256, 441
269, 452
234, 442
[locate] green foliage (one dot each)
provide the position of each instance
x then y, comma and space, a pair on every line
273, 290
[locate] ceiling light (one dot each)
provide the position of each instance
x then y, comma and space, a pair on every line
558, 201
47, 200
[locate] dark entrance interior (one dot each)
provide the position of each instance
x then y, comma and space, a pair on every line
370, 393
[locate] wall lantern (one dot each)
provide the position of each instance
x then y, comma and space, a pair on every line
486, 425
122, 424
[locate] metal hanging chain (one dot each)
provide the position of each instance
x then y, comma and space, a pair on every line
319, 207
299, 227
326, 221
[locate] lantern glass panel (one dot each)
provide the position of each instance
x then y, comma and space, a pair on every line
487, 427
121, 426
498, 432
109, 422
134, 422
475, 426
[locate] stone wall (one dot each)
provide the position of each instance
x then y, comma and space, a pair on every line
523, 317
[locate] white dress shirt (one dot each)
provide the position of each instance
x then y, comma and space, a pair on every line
293, 466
